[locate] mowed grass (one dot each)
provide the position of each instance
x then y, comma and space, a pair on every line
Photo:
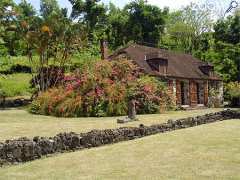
209, 151
19, 123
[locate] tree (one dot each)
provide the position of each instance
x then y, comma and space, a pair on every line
227, 33
89, 12
185, 28
146, 22
224, 57
179, 37
117, 21
48, 8
8, 15
26, 9
54, 38
228, 30
14, 41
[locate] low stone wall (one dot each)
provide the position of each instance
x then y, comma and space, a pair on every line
24, 149
13, 103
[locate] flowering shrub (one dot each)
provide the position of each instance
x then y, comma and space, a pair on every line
151, 95
102, 90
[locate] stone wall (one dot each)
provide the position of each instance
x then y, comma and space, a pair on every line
11, 103
24, 149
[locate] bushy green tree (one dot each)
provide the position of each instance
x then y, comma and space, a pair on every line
53, 37
89, 12
228, 30
8, 15
117, 21
185, 28
146, 22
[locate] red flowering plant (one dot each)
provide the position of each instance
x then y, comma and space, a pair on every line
148, 93
102, 90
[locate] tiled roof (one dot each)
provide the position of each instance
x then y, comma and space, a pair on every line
179, 65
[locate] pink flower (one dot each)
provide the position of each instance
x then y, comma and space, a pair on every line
69, 87
110, 81
99, 91
69, 78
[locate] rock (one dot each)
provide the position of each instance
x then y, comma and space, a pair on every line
126, 120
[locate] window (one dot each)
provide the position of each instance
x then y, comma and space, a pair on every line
207, 70
159, 65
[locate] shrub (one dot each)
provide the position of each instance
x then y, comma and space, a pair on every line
214, 100
151, 95
103, 89
52, 76
233, 93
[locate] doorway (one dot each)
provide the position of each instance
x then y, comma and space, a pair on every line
198, 93
182, 93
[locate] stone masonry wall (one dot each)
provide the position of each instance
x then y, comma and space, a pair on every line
24, 149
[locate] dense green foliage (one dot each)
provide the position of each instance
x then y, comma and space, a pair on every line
15, 85
233, 93
54, 36
51, 34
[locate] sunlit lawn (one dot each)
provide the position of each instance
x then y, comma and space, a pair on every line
209, 151
18, 123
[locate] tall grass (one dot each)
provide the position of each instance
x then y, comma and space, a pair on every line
15, 84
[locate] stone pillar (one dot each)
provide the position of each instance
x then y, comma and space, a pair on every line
220, 86
132, 110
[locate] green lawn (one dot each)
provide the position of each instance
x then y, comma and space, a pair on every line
18, 123
15, 84
7, 62
205, 152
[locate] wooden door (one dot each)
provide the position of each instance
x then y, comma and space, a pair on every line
178, 92
193, 93
206, 93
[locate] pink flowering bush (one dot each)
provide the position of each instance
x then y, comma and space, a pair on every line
102, 90
151, 95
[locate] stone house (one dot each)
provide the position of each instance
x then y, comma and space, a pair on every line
189, 79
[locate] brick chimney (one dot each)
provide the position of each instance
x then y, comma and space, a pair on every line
104, 49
